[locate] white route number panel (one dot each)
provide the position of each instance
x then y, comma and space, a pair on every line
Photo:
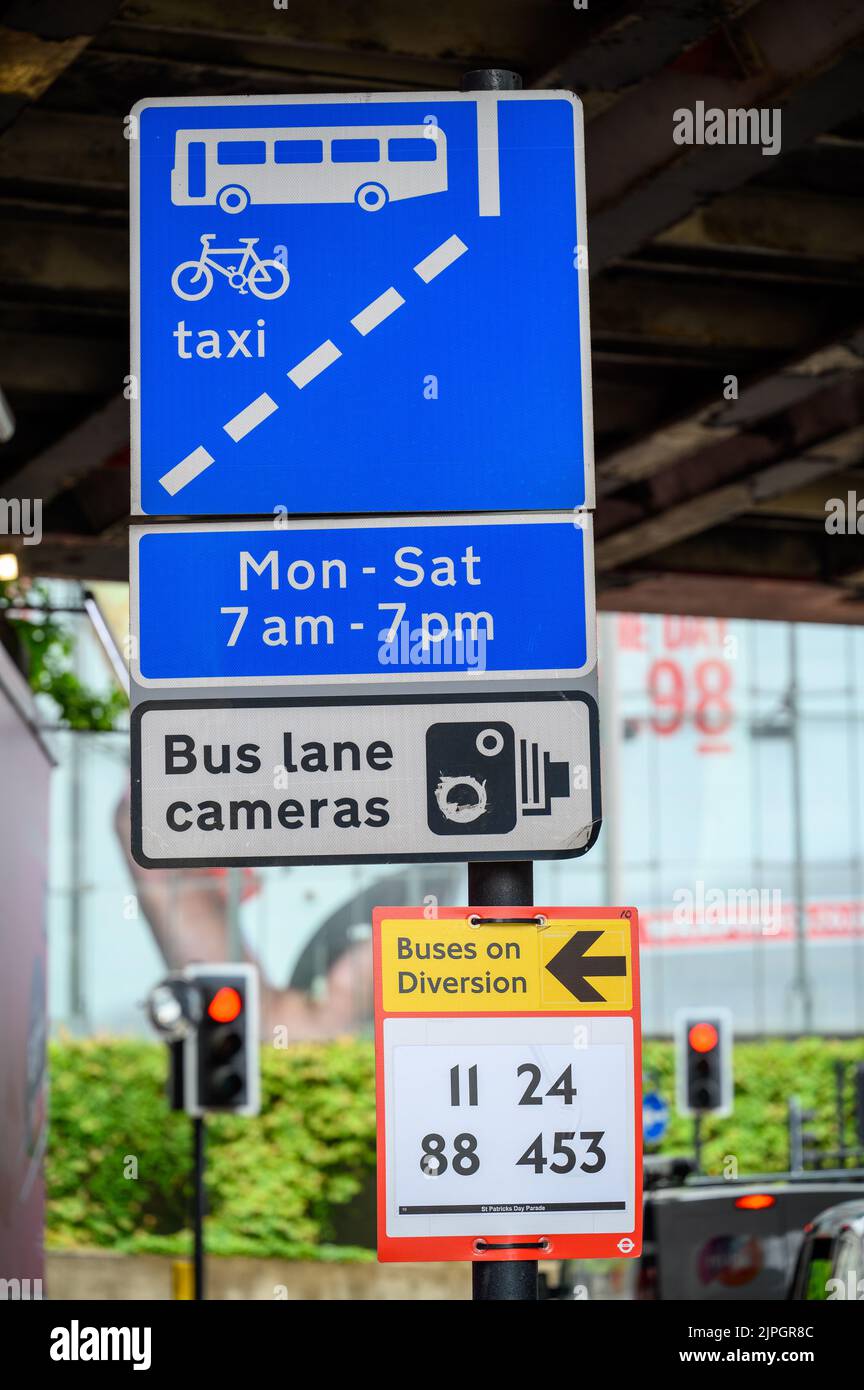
507, 1125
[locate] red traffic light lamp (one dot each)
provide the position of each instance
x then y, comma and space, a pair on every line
703, 1061
226, 1005
703, 1037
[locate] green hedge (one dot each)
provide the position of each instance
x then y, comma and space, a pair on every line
766, 1074
275, 1183
286, 1183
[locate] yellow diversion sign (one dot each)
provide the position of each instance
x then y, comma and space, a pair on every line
472, 964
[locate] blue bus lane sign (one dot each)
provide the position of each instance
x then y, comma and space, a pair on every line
335, 602
371, 303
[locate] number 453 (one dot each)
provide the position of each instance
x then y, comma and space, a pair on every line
535, 1158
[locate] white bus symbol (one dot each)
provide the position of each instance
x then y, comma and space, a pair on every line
366, 165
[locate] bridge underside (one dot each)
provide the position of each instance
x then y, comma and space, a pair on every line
727, 308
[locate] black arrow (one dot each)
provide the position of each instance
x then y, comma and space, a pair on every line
571, 965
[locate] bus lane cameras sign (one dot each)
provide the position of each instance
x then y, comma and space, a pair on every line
368, 303
508, 1065
377, 779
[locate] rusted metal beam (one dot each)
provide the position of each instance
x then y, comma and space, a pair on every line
779, 54
39, 40
46, 366
364, 36
86, 153
778, 221
319, 66
647, 305
790, 600
776, 571
775, 550
700, 513
64, 556
721, 419
100, 438
73, 258
745, 548
810, 441
809, 503
635, 41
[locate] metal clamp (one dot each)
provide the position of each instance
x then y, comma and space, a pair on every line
538, 920
482, 1246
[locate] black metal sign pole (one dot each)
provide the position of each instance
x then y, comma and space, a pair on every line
198, 1207
500, 885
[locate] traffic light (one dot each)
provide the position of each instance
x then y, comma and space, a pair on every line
208, 1016
703, 1054
220, 1057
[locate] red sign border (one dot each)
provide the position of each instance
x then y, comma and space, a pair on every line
416, 1248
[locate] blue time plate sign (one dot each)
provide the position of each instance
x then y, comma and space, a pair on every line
409, 601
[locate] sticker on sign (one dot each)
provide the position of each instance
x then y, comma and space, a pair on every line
508, 1076
327, 780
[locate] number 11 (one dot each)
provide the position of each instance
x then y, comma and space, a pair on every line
456, 1089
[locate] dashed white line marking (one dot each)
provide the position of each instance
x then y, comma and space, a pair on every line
376, 312
439, 259
306, 370
246, 420
314, 364
187, 469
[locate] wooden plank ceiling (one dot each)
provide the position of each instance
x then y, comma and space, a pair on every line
707, 262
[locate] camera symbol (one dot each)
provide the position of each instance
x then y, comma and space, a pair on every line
472, 786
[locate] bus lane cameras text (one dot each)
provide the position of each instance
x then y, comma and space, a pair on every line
184, 757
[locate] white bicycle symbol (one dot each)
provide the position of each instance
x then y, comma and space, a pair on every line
266, 279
